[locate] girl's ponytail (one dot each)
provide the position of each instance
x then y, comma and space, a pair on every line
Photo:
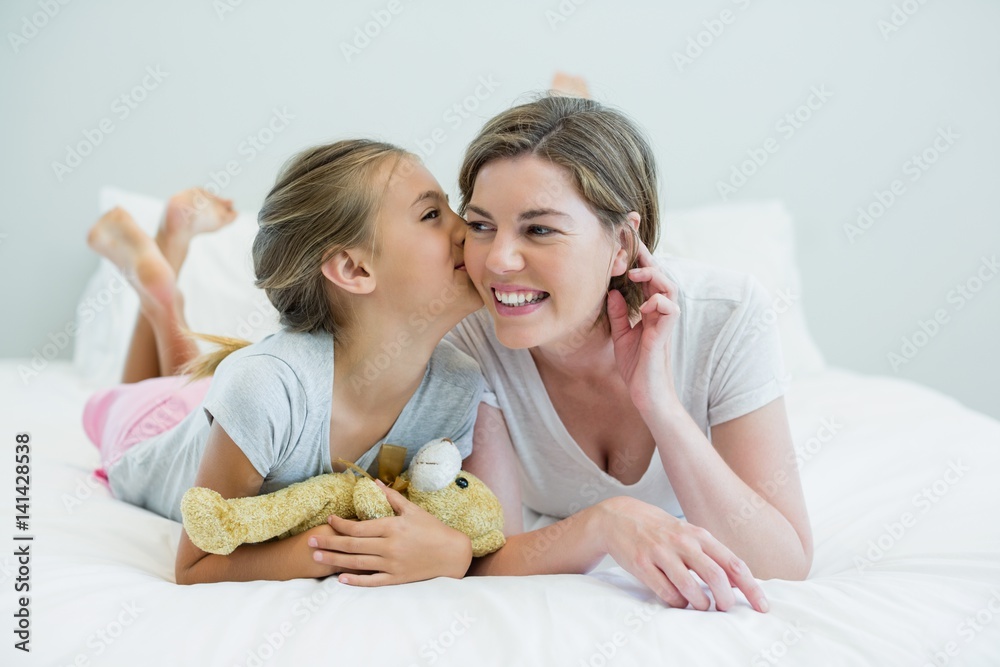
204, 365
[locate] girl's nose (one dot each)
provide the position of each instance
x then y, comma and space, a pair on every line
458, 229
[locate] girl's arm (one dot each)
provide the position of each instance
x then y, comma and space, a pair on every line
415, 545
226, 469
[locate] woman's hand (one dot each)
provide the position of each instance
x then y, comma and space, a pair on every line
660, 550
643, 351
412, 546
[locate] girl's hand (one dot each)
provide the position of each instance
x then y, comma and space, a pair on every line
412, 546
306, 562
660, 550
643, 351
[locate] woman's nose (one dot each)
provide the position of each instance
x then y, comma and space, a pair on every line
503, 255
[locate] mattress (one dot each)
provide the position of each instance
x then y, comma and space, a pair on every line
901, 484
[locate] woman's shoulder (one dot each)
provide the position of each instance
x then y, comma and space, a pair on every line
476, 337
450, 364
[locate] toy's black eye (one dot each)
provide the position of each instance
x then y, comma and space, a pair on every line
462, 482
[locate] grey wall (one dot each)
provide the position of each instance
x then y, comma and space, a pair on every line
226, 71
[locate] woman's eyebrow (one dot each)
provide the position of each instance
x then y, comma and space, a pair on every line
540, 212
479, 211
530, 214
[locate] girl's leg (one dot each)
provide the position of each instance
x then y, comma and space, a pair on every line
142, 361
158, 347
569, 85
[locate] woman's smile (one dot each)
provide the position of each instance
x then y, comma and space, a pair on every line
513, 300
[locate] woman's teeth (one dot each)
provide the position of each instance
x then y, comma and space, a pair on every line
519, 298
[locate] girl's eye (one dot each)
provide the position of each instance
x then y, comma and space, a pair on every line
433, 213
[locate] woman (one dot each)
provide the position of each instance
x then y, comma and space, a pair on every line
624, 410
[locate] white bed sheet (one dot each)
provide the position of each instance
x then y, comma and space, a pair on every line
102, 590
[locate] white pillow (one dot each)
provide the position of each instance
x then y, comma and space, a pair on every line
216, 281
220, 298
756, 238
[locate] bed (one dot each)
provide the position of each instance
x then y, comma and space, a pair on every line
900, 481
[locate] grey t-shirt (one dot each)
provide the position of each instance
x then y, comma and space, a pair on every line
726, 359
274, 399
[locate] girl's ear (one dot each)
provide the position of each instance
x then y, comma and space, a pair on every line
349, 270
628, 249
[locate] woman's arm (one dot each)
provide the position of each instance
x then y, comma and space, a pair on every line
656, 547
743, 486
714, 484
226, 469
494, 462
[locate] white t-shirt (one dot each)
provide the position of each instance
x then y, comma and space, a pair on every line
727, 362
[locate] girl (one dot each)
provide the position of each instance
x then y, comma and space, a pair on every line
634, 396
356, 238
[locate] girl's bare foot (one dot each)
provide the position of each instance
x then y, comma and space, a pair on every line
569, 85
189, 213
118, 237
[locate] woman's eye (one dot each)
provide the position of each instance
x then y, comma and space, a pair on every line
433, 213
476, 226
538, 230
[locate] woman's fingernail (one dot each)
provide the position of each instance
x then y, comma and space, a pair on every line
317, 556
313, 542
342, 579
764, 607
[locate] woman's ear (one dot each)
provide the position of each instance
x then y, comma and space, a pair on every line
349, 270
628, 249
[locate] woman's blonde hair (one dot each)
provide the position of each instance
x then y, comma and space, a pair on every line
607, 154
325, 200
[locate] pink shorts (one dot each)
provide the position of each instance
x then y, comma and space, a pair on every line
127, 414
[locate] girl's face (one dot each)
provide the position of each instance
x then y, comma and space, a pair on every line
537, 254
420, 268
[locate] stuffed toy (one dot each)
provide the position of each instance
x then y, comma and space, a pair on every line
434, 481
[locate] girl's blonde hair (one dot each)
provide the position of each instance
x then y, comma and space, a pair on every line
608, 156
325, 200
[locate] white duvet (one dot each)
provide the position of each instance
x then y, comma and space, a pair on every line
902, 488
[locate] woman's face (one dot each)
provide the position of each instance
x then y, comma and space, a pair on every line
420, 266
537, 253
